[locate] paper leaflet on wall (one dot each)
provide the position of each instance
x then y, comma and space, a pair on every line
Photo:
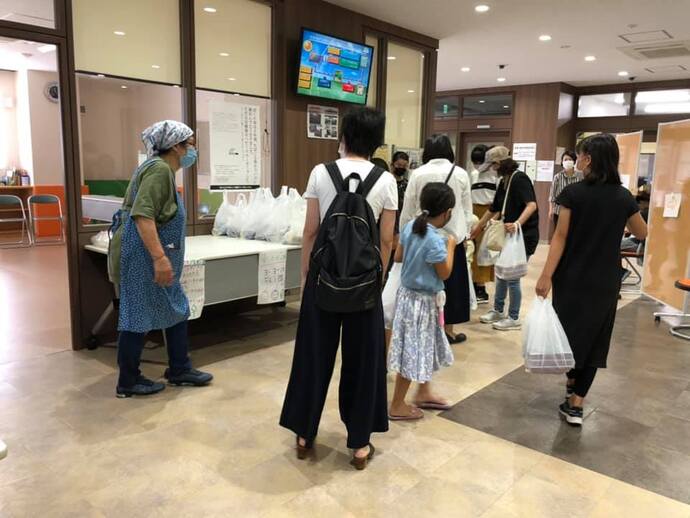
235, 145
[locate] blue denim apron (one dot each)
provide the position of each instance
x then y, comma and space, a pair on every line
144, 305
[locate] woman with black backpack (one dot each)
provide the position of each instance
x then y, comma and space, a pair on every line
348, 236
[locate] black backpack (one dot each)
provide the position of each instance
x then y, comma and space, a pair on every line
346, 263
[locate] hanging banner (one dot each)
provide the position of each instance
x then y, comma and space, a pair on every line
272, 266
235, 146
192, 280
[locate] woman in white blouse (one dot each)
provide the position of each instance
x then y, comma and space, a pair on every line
438, 166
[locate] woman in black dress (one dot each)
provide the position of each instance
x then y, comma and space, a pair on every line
584, 263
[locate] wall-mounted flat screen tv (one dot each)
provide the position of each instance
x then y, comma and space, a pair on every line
333, 68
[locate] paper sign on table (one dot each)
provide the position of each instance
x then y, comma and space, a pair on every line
672, 205
272, 267
192, 280
545, 170
524, 151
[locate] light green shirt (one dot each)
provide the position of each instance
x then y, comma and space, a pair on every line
156, 200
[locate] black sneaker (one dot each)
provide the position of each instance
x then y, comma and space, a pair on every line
482, 297
143, 387
459, 338
192, 377
572, 414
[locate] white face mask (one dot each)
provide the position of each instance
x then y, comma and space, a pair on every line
568, 164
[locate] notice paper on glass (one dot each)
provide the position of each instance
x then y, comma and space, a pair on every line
235, 146
272, 266
322, 122
524, 151
672, 205
192, 280
545, 170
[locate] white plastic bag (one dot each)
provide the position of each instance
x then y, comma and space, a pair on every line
279, 223
486, 257
298, 215
220, 223
473, 294
512, 263
236, 216
545, 346
256, 223
390, 294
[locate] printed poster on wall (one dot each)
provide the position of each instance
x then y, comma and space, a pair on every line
545, 170
322, 122
672, 204
272, 266
235, 146
192, 280
524, 151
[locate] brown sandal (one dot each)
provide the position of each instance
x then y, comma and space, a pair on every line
361, 462
304, 451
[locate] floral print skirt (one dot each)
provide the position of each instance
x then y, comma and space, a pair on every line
419, 345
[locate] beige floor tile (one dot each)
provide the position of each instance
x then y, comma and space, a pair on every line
315, 502
622, 499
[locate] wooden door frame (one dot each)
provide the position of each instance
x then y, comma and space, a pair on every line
464, 135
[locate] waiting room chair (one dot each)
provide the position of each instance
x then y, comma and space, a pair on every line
46, 200
632, 259
683, 284
9, 206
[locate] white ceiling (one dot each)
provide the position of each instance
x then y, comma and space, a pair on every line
509, 32
20, 54
33, 12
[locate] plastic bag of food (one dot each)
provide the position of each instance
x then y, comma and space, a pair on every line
545, 346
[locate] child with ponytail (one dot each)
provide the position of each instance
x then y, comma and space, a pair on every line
419, 345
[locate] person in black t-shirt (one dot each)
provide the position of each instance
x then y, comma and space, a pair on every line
521, 208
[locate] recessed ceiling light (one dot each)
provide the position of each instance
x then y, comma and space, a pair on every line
481, 101
224, 54
236, 95
44, 49
231, 79
210, 9
100, 75
176, 86
506, 106
465, 69
123, 87
544, 37
155, 66
501, 79
590, 58
410, 91
623, 73
119, 33
392, 58
481, 8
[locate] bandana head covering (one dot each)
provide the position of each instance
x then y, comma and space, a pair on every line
163, 135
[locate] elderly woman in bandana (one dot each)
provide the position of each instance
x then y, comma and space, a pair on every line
145, 260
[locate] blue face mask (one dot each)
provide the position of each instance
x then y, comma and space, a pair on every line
189, 158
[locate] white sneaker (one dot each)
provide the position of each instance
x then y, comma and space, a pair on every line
507, 324
491, 317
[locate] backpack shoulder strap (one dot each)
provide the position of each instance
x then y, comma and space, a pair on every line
336, 176
365, 187
450, 174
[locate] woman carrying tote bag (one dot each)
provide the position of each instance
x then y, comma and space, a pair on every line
517, 203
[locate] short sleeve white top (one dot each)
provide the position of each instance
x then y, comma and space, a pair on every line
384, 194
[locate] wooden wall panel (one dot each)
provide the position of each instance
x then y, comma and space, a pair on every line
629, 145
668, 245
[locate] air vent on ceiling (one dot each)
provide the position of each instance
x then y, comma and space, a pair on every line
644, 37
666, 69
677, 49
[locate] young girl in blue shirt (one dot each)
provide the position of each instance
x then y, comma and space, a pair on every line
419, 346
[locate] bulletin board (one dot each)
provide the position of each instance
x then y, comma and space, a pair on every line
629, 145
667, 256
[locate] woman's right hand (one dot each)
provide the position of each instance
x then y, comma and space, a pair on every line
163, 271
543, 286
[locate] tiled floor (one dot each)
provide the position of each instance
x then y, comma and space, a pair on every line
637, 420
75, 450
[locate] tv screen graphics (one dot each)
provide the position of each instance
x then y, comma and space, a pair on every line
333, 68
